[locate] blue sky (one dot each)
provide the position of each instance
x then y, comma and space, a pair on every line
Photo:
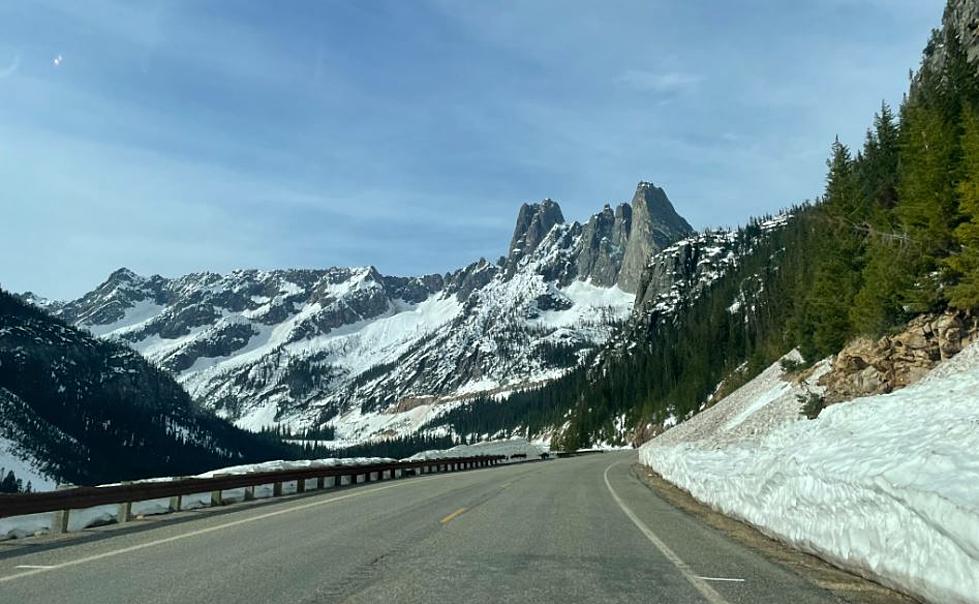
179, 136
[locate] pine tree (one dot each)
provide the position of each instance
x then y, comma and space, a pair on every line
839, 252
964, 263
928, 209
9, 483
878, 305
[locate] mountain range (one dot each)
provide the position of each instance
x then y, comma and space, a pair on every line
368, 355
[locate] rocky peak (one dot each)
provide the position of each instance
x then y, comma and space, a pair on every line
123, 275
533, 223
654, 225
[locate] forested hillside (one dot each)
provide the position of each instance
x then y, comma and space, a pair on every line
895, 234
83, 410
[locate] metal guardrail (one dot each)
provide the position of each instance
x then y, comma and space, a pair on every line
64, 500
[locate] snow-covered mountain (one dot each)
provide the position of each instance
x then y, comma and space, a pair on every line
370, 354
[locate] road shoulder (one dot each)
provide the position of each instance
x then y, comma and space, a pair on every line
845, 586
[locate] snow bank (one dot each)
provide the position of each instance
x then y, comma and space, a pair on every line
514, 446
886, 486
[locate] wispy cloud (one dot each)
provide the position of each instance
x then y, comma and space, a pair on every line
667, 82
184, 136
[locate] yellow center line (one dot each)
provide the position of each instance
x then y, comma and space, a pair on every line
452, 516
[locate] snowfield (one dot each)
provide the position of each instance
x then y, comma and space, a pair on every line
511, 447
885, 486
25, 526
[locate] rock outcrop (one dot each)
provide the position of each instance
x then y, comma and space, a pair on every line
603, 242
961, 20
866, 367
655, 225
534, 222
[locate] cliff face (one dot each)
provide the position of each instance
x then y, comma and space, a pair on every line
960, 23
655, 225
603, 243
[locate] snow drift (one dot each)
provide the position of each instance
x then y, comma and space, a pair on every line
886, 486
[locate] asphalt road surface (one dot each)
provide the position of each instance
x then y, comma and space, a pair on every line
569, 530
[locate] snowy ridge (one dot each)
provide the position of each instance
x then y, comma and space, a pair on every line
373, 356
882, 485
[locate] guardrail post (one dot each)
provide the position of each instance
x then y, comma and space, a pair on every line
125, 508
177, 500
250, 493
337, 480
276, 489
216, 498
320, 483
301, 485
59, 519
125, 512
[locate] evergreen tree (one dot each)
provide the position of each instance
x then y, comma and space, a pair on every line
965, 261
878, 305
840, 256
9, 483
928, 209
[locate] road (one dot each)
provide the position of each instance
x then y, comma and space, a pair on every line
569, 530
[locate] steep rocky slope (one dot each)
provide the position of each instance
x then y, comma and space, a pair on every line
371, 354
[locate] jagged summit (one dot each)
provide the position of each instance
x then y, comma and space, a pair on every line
533, 223
123, 274
655, 225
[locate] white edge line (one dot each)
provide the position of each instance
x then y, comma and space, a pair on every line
698, 582
722, 579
